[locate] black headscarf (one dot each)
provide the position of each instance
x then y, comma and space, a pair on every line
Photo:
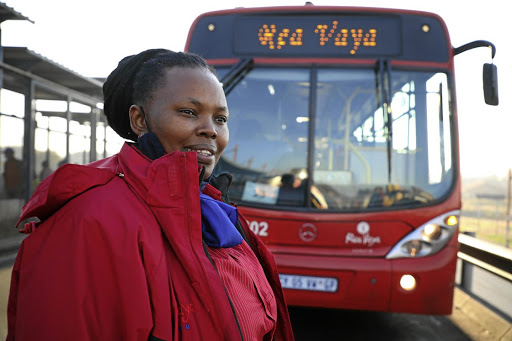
117, 92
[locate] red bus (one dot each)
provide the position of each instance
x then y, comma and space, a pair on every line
343, 148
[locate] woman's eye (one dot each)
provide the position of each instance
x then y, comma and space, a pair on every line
222, 119
188, 111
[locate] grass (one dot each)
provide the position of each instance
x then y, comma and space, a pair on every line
489, 229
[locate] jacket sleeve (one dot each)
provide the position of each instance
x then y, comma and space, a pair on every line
92, 271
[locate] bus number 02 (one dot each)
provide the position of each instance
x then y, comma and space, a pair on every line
260, 228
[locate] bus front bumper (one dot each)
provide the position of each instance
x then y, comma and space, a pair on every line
372, 284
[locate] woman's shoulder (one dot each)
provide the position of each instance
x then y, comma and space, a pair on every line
113, 200
108, 215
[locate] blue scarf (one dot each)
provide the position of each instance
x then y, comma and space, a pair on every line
218, 219
218, 223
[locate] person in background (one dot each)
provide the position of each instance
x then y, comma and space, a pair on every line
145, 245
45, 170
13, 170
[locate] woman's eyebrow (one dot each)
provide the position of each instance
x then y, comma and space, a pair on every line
199, 103
194, 101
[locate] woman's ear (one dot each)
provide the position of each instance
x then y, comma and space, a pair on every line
137, 121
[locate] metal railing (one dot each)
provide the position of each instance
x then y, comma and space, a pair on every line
491, 257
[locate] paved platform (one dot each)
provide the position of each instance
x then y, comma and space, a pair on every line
5, 281
478, 321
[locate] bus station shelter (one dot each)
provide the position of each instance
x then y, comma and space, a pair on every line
49, 115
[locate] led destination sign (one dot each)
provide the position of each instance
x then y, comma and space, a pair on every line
317, 35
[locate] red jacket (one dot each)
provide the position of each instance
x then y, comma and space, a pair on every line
118, 255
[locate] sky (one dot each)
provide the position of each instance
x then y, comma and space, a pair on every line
90, 37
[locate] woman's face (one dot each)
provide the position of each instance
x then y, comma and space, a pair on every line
189, 113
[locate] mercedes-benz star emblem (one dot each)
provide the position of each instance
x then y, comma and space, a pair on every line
308, 232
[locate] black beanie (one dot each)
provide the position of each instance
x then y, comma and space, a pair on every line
117, 92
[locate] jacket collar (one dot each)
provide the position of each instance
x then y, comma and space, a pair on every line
175, 173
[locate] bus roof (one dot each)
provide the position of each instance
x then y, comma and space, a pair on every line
398, 34
318, 9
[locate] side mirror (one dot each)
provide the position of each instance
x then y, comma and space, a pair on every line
490, 80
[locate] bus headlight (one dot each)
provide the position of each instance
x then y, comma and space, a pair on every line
412, 247
416, 248
432, 231
427, 239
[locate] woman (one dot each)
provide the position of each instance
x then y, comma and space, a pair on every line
140, 245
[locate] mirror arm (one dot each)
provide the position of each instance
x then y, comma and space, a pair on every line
474, 44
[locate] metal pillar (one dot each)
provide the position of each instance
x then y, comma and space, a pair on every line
507, 236
105, 140
94, 123
466, 277
68, 119
29, 139
1, 60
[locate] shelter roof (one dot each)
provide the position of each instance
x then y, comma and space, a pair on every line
29, 61
8, 13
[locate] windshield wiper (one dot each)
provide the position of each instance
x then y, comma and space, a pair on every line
236, 74
384, 94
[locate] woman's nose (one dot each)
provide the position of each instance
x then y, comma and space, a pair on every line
207, 128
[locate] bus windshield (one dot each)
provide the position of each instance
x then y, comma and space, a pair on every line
339, 139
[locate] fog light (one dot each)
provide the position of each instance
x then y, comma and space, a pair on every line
432, 231
408, 282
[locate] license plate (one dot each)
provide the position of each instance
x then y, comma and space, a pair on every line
328, 284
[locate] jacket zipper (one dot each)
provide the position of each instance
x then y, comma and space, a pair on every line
225, 290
